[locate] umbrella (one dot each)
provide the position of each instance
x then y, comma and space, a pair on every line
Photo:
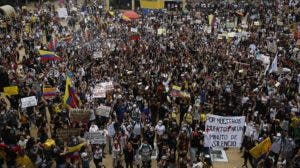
131, 15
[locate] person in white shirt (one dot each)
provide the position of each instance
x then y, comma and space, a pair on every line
98, 155
93, 127
22, 142
116, 153
160, 128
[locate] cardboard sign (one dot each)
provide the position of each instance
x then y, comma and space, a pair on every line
96, 137
103, 111
97, 54
100, 89
11, 90
161, 31
218, 155
62, 12
99, 92
28, 101
79, 115
65, 134
134, 30
223, 131
261, 148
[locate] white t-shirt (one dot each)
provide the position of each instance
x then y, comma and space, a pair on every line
98, 154
137, 129
160, 129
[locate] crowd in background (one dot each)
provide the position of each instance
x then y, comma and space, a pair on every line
222, 75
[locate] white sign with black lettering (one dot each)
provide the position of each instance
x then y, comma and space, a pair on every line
100, 89
223, 131
28, 101
96, 137
62, 12
103, 111
97, 54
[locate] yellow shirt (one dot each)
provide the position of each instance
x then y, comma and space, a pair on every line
203, 117
188, 118
24, 161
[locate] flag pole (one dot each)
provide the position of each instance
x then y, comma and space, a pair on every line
132, 4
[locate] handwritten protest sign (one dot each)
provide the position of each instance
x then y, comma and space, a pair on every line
97, 54
103, 111
161, 31
62, 12
133, 29
96, 137
261, 148
223, 131
65, 134
28, 101
11, 90
99, 92
100, 89
79, 115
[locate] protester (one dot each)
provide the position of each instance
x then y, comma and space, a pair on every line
72, 84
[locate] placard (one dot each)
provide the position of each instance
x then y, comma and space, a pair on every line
161, 31
100, 89
176, 93
11, 90
218, 155
261, 148
96, 137
223, 131
133, 29
65, 134
28, 101
103, 111
97, 54
79, 115
99, 92
62, 12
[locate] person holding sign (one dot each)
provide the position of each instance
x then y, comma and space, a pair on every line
247, 144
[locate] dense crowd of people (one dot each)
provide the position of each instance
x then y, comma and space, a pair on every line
169, 69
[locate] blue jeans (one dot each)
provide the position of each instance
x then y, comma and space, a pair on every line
193, 152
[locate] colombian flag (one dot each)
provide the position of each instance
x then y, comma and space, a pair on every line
68, 39
48, 56
70, 98
53, 44
49, 91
